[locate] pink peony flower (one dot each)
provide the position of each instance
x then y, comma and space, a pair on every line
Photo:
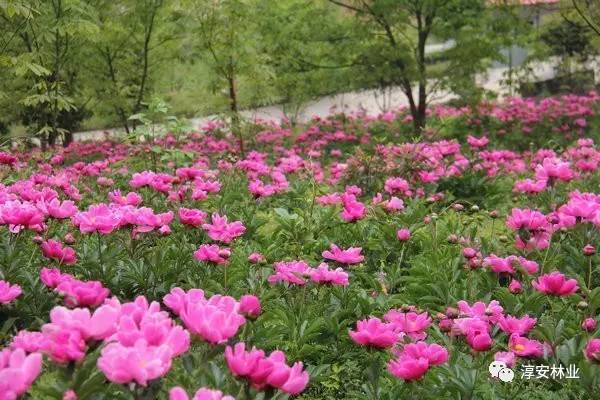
373, 332
212, 253
262, 371
322, 274
17, 372
506, 356
191, 216
532, 227
589, 324
353, 210
178, 393
70, 395
140, 363
130, 199
55, 250
592, 350
486, 312
18, 215
415, 359
524, 347
403, 235
256, 258
250, 306
410, 323
515, 287
293, 272
215, 320
555, 283
98, 218
513, 325
350, 256
223, 231
9, 292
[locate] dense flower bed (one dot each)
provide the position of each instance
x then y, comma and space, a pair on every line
337, 260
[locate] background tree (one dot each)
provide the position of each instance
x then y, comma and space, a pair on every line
135, 39
47, 65
391, 45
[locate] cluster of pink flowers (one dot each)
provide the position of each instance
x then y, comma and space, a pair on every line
298, 272
21, 215
222, 231
215, 320
413, 360
104, 219
349, 256
17, 372
76, 293
8, 292
532, 228
262, 371
475, 322
213, 253
55, 250
398, 325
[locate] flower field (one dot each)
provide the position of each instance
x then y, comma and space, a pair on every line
340, 259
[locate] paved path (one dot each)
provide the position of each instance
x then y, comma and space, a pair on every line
372, 101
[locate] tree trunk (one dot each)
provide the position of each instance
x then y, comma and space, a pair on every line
233, 107
68, 138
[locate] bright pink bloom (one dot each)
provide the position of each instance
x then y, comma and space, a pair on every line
349, 256
353, 209
322, 274
373, 332
223, 231
140, 363
554, 169
477, 142
264, 371
17, 372
487, 312
56, 209
215, 320
532, 227
28, 341
191, 216
250, 306
555, 283
18, 215
589, 324
410, 323
55, 250
519, 326
415, 359
70, 395
9, 292
293, 272
524, 347
515, 287
592, 350
397, 185
256, 258
506, 356
403, 235
130, 199
98, 218
212, 253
